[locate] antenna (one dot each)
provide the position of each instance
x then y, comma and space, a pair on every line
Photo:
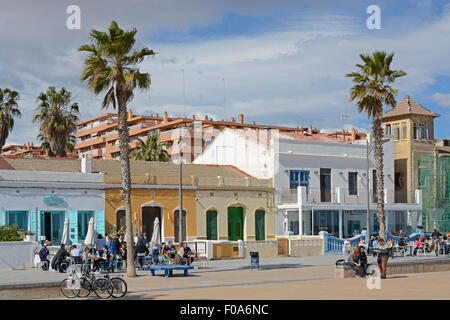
343, 116
184, 95
224, 101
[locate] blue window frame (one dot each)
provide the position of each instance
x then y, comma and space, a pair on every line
299, 178
83, 223
19, 218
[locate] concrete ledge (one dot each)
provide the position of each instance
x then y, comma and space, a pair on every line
33, 291
435, 265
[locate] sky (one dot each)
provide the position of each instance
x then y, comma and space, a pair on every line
277, 62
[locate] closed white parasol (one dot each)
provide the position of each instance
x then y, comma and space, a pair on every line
90, 237
156, 237
65, 236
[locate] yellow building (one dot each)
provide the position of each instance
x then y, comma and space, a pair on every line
412, 126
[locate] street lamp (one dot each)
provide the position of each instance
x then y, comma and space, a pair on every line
369, 150
180, 188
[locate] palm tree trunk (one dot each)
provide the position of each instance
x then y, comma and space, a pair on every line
378, 155
126, 178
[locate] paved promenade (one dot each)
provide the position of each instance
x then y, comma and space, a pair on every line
18, 278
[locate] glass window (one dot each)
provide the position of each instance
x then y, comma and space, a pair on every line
19, 218
396, 132
299, 178
260, 225
415, 131
388, 129
353, 183
83, 223
404, 131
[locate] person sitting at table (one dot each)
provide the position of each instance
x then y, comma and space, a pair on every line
171, 250
188, 254
163, 253
43, 253
444, 244
140, 251
75, 254
61, 261
419, 246
401, 246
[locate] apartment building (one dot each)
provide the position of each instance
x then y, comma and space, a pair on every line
98, 136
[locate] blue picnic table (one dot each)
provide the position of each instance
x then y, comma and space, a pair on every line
168, 269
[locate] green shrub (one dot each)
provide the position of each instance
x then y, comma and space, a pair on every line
11, 233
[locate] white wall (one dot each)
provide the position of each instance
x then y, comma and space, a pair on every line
17, 255
235, 147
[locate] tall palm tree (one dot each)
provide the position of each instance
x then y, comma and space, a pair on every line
9, 109
111, 67
151, 150
371, 91
57, 117
70, 145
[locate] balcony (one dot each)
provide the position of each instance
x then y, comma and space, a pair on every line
339, 196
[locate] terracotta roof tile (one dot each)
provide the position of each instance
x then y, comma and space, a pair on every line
409, 106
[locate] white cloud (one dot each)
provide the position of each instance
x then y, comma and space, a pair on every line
442, 99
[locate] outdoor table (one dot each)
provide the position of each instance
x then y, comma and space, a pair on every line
168, 269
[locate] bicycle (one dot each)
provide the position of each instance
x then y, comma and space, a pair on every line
119, 284
102, 287
70, 287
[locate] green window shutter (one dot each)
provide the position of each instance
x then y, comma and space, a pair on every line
211, 225
260, 225
100, 221
73, 226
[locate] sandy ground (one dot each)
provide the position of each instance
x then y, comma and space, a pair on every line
295, 283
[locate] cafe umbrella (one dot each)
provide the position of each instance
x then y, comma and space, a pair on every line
65, 236
156, 236
90, 238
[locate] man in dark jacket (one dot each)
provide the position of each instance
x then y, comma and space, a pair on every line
140, 251
383, 255
61, 257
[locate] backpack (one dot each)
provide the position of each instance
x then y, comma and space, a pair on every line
341, 262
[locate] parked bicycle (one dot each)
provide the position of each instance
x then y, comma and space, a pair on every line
101, 286
71, 286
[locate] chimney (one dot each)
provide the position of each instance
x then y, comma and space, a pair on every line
206, 117
232, 119
165, 117
310, 131
193, 117
353, 134
86, 164
130, 114
241, 118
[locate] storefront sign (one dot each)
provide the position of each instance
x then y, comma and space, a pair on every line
53, 201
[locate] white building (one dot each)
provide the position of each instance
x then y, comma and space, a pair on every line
318, 185
40, 201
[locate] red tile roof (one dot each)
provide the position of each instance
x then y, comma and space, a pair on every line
4, 165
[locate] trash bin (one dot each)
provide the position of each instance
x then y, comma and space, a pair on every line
254, 259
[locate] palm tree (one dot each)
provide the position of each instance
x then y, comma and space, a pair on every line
151, 150
57, 117
372, 89
9, 109
111, 67
70, 145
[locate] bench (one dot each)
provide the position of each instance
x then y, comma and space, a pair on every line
168, 269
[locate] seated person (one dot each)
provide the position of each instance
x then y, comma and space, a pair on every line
354, 260
75, 254
162, 253
363, 260
43, 253
188, 254
171, 250
444, 244
61, 261
140, 251
123, 251
419, 246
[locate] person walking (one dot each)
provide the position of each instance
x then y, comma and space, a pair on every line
383, 251
112, 250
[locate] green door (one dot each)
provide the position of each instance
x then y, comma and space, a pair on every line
235, 223
260, 225
211, 225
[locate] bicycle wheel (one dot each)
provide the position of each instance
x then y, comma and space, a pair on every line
67, 291
120, 287
103, 288
85, 288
